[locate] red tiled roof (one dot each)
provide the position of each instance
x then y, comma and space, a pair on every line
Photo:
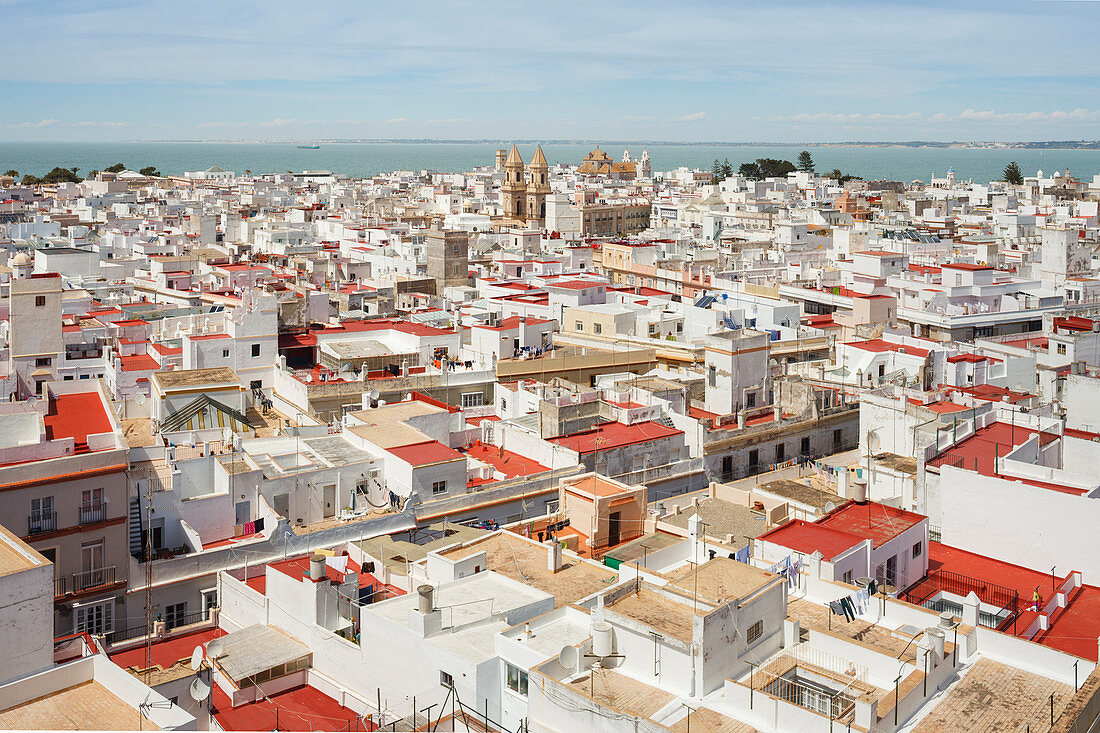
809, 537
76, 416
877, 522
614, 435
509, 463
881, 345
138, 363
426, 453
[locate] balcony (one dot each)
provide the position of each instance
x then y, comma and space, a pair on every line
41, 522
92, 512
60, 587
95, 578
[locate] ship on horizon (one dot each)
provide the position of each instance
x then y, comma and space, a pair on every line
309, 147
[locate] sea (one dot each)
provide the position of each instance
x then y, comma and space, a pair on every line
369, 158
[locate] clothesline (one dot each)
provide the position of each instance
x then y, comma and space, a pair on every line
853, 604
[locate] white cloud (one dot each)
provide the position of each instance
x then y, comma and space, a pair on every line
693, 117
396, 120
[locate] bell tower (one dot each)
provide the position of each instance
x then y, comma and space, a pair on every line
513, 192
538, 187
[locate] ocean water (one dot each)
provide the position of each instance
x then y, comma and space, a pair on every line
364, 159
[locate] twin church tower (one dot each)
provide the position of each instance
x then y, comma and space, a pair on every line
523, 198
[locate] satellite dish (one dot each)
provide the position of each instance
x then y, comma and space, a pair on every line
140, 399
872, 442
374, 394
214, 648
196, 658
569, 657
199, 690
829, 506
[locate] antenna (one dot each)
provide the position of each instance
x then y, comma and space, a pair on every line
196, 658
199, 690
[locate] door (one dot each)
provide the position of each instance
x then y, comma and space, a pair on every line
282, 505
892, 571
613, 529
91, 565
158, 533
330, 501
91, 506
243, 513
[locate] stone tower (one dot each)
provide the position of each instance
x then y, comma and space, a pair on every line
513, 192
538, 188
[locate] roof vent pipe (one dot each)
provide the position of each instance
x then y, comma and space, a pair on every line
426, 600
317, 568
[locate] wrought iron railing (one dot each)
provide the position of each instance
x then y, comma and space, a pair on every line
39, 522
92, 512
1005, 600
93, 578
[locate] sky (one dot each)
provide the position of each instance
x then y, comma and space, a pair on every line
772, 71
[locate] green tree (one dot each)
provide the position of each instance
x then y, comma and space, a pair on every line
716, 172
61, 175
150, 170
727, 169
116, 168
93, 174
835, 174
29, 180
775, 168
805, 162
12, 172
1013, 175
751, 171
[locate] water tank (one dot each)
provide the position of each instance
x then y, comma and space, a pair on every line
425, 601
317, 568
601, 639
859, 492
936, 638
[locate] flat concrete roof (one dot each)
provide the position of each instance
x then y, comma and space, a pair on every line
16, 555
526, 561
659, 612
85, 706
722, 518
182, 378
721, 579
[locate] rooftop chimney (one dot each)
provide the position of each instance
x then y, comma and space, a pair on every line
553, 556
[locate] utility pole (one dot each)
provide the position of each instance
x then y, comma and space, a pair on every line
148, 578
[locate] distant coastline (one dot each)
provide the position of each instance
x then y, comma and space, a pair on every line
927, 144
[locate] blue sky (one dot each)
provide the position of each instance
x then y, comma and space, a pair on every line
639, 70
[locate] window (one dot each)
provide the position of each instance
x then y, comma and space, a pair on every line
597, 328
917, 549
42, 361
42, 518
439, 487
836, 436
473, 399
750, 399
578, 326
209, 601
754, 457
1061, 348
516, 679
712, 376
780, 453
85, 376
39, 301
175, 614
95, 618
755, 632
446, 679
255, 350
805, 447
847, 577
225, 353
